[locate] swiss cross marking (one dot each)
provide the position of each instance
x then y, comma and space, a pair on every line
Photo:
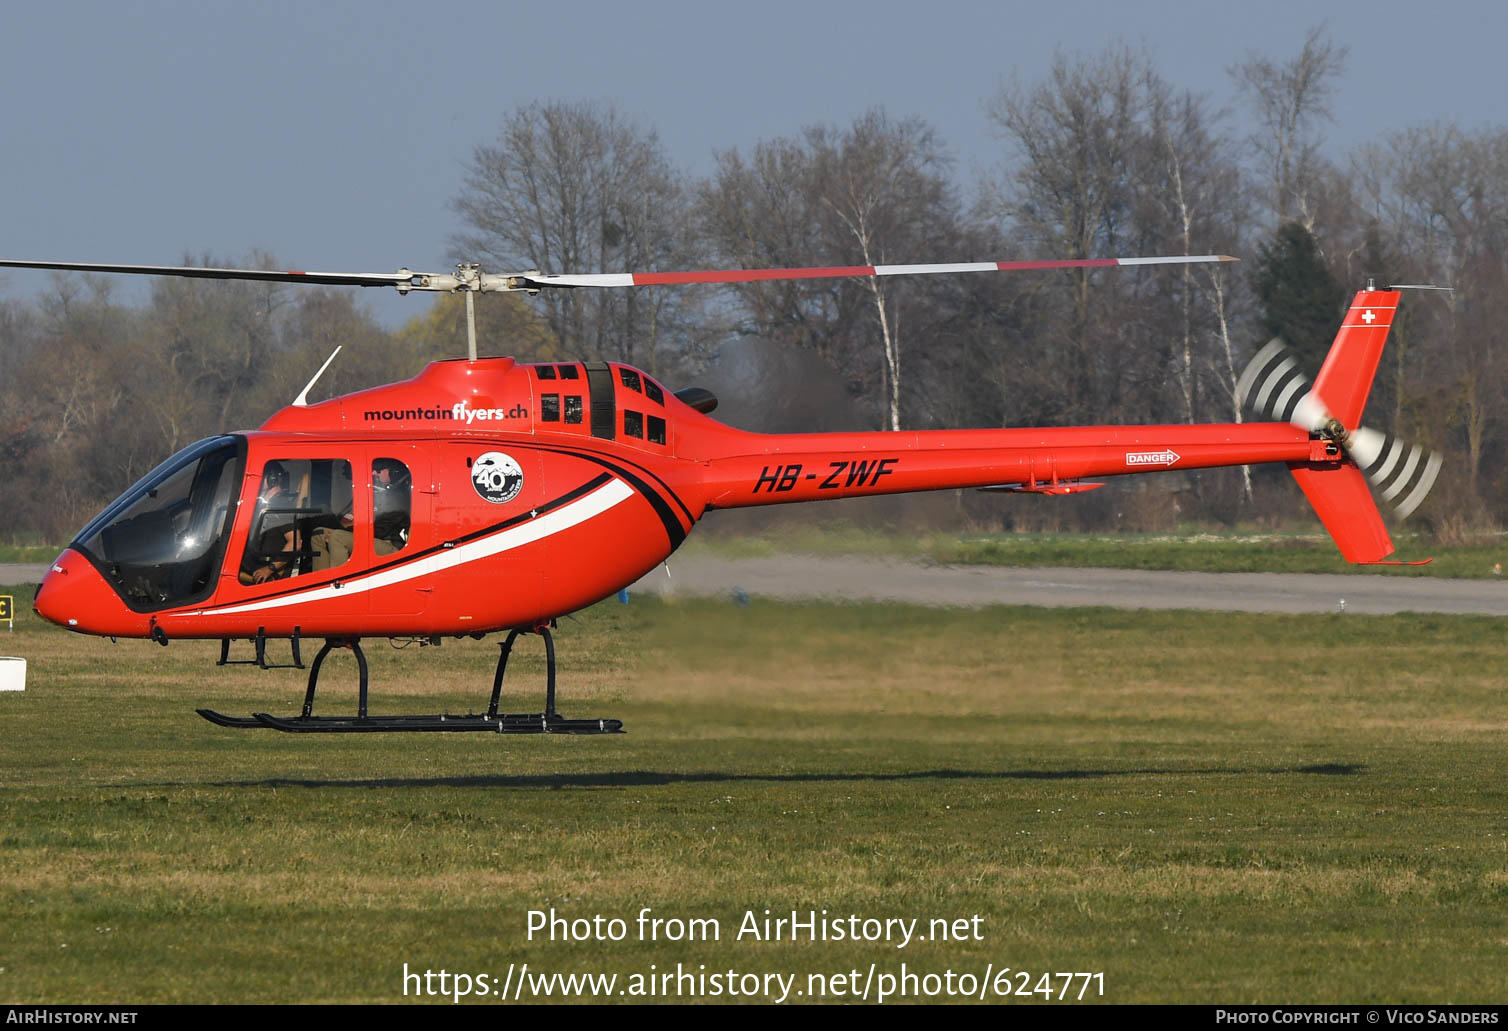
1368, 317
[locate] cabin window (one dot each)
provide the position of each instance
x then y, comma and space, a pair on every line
653, 392
630, 378
633, 424
656, 430
303, 520
573, 409
392, 505
549, 408
545, 371
569, 372
599, 378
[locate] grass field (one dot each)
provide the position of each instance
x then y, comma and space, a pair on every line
1204, 807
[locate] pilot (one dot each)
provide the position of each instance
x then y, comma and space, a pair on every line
258, 565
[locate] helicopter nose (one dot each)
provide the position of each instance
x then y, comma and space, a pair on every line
75, 596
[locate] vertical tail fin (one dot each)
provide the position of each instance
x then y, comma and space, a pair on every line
1345, 380
1339, 494
1275, 388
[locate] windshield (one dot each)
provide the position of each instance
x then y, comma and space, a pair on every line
161, 542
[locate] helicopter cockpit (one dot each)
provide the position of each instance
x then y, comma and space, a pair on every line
160, 543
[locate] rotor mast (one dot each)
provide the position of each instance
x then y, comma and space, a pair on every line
468, 280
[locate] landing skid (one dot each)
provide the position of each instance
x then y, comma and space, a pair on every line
534, 723
219, 719
547, 722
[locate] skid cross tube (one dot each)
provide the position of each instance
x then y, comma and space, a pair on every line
354, 643
506, 649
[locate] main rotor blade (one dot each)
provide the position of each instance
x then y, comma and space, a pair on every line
471, 278
618, 279
195, 272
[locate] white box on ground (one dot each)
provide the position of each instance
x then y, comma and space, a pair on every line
12, 673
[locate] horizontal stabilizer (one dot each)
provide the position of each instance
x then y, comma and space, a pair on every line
1041, 488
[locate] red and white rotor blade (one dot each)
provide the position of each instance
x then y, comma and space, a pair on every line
614, 279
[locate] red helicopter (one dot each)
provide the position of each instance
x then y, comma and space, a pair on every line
487, 496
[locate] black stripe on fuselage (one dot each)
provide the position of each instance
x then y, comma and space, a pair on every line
562, 449
673, 528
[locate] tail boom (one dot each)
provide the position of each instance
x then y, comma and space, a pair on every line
814, 467
746, 469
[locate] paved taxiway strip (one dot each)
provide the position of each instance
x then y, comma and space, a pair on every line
882, 580
865, 579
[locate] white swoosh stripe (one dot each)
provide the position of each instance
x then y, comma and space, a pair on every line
577, 512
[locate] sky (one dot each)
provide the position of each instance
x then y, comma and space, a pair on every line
334, 135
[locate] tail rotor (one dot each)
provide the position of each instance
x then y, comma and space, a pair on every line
1274, 387
1403, 473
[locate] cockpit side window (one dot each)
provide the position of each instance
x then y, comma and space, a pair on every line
160, 544
303, 520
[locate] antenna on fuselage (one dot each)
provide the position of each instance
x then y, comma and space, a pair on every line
302, 401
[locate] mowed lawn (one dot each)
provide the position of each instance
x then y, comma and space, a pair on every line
1201, 806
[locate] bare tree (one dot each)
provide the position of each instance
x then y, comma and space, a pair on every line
1291, 100
1076, 138
1194, 200
875, 192
579, 188
217, 338
1107, 158
885, 183
1441, 195
1095, 163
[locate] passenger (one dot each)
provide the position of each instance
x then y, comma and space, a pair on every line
333, 544
391, 505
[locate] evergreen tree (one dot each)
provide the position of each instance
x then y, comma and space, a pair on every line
1301, 301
